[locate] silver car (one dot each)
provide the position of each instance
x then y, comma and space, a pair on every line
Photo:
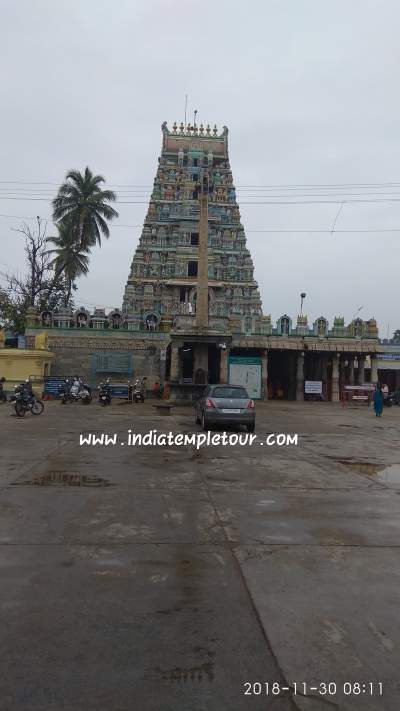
225, 405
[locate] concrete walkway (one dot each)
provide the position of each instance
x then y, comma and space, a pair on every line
165, 578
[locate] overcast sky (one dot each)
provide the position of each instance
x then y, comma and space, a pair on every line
308, 89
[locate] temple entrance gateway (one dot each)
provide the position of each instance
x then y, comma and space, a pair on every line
282, 375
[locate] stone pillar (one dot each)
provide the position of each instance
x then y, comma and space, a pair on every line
300, 377
202, 273
223, 367
162, 365
324, 376
264, 375
335, 378
174, 376
374, 370
342, 373
32, 317
351, 371
361, 369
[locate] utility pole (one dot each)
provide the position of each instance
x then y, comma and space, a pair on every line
202, 273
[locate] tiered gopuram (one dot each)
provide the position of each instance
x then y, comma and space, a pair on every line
163, 277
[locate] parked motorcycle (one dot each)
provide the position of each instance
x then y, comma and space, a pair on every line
104, 393
392, 399
395, 397
24, 400
63, 391
137, 392
75, 391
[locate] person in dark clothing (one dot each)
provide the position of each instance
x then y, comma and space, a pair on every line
3, 396
27, 391
143, 388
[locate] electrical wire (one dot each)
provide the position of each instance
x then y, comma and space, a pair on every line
255, 185
243, 202
270, 230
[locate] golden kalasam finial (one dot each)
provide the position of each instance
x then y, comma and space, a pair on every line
174, 127
181, 127
215, 131
208, 129
201, 128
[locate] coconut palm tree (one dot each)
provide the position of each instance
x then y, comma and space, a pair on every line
70, 258
84, 206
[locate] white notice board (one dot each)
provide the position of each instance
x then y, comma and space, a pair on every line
248, 375
313, 387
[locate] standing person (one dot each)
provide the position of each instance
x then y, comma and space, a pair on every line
378, 400
156, 390
3, 396
143, 388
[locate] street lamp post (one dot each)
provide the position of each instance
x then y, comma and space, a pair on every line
302, 297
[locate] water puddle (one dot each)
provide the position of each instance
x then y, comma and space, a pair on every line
64, 479
361, 467
389, 475
384, 474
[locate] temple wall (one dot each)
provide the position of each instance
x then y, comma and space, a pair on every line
116, 355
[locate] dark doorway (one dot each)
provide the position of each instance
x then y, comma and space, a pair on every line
192, 269
281, 375
187, 362
168, 363
214, 360
183, 294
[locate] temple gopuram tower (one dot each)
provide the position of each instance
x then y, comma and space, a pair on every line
170, 260
192, 275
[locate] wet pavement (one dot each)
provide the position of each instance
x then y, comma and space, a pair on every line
166, 578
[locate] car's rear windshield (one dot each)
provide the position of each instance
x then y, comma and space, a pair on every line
230, 392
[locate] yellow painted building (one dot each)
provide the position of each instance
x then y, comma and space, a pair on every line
17, 364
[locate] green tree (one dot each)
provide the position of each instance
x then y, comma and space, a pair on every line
85, 207
37, 287
69, 258
12, 312
396, 337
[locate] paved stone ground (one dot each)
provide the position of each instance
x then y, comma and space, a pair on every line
196, 571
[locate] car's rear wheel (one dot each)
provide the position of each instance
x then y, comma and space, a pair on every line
204, 423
